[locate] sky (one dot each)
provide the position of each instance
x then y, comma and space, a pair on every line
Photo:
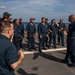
51, 9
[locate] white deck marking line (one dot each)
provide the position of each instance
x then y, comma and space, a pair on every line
49, 50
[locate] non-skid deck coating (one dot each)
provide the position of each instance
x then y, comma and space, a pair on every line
46, 63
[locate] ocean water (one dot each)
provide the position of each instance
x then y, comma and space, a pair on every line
36, 24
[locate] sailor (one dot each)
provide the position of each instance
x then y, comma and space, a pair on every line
61, 32
17, 34
10, 59
30, 34
42, 34
71, 38
22, 30
53, 31
46, 21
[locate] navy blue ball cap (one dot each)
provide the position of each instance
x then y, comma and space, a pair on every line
6, 14
32, 18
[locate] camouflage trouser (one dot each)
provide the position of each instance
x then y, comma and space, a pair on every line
42, 41
72, 50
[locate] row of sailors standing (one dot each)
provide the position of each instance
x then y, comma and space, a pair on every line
45, 32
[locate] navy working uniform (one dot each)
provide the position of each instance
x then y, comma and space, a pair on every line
71, 37
53, 28
47, 37
22, 32
31, 30
8, 56
17, 36
61, 33
42, 31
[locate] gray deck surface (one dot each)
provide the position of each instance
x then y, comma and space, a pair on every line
46, 63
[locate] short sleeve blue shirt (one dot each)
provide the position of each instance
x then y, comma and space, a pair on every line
8, 56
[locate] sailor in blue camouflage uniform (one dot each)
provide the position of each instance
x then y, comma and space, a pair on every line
6, 17
53, 31
46, 21
10, 59
61, 32
17, 34
70, 55
42, 34
30, 34
22, 30
71, 37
